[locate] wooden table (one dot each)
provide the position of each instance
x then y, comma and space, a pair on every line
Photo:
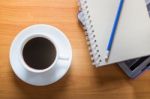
82, 80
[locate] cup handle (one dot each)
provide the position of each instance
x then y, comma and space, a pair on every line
64, 58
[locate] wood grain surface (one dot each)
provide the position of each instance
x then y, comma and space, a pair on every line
83, 80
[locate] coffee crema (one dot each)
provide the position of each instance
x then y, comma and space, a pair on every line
39, 53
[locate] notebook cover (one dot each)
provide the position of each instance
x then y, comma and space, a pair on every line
133, 32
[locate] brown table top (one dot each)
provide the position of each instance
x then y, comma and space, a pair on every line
83, 80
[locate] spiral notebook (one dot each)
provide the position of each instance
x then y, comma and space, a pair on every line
132, 34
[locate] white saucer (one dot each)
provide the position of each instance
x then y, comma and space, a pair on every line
52, 75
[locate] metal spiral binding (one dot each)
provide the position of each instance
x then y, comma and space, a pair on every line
89, 32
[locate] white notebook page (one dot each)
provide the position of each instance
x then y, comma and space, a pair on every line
132, 38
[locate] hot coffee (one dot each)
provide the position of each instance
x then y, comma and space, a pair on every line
39, 53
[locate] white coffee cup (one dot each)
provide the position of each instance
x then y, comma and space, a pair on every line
57, 57
56, 70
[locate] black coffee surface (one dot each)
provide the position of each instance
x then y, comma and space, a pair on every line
39, 53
